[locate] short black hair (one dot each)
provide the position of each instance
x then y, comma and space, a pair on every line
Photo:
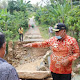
2, 39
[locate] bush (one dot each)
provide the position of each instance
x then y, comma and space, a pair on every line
9, 24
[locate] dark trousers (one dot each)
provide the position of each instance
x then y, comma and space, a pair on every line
21, 37
61, 76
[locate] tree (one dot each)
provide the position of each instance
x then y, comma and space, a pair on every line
11, 6
54, 13
18, 5
73, 21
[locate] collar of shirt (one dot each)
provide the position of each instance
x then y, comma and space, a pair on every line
2, 60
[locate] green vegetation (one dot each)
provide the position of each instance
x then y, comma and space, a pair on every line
10, 23
12, 17
44, 31
60, 11
74, 21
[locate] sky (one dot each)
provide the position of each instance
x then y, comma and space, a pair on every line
41, 2
34, 1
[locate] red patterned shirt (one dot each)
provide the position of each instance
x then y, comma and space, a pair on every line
62, 49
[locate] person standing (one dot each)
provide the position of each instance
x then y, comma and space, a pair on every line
65, 50
7, 71
20, 30
29, 26
50, 30
32, 25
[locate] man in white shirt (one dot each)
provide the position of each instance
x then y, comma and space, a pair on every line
50, 30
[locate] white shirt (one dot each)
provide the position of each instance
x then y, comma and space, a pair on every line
50, 29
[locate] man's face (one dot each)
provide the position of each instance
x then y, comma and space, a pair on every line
60, 33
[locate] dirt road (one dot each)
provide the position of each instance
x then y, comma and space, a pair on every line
33, 34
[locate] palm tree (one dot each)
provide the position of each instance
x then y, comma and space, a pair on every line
60, 11
11, 6
18, 5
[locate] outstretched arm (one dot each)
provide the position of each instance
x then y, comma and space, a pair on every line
37, 44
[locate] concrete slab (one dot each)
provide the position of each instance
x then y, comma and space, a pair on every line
34, 74
34, 40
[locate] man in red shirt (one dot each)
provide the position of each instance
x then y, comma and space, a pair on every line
65, 50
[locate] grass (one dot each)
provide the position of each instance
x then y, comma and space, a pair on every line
44, 31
